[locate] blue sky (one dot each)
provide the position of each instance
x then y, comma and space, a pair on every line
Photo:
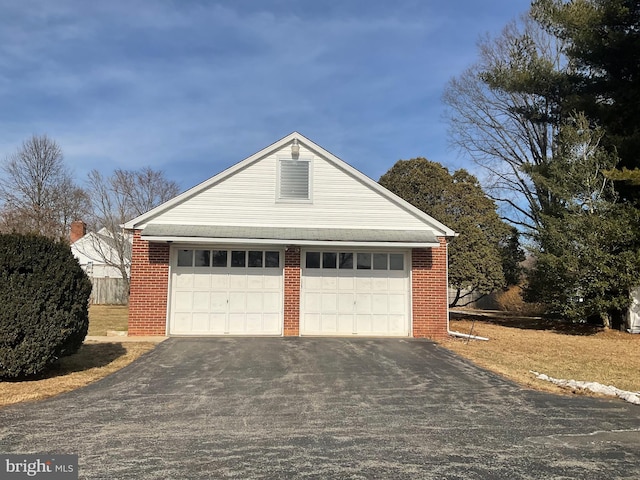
192, 87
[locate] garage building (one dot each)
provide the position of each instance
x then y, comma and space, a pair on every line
290, 241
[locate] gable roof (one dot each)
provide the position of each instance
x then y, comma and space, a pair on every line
156, 232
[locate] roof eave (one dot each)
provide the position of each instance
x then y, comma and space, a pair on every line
270, 241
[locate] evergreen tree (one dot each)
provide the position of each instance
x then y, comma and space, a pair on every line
602, 41
485, 247
587, 258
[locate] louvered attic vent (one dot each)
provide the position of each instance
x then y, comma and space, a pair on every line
294, 179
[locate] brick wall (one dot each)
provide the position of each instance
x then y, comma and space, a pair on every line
150, 277
429, 291
149, 284
292, 291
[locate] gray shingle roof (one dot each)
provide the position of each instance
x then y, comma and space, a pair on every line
292, 234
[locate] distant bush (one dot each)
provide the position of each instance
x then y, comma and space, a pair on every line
510, 300
44, 301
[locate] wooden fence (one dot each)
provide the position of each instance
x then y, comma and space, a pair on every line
481, 302
109, 291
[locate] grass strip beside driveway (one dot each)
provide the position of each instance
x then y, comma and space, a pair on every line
92, 362
517, 346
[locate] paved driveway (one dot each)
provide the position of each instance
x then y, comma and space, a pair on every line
323, 408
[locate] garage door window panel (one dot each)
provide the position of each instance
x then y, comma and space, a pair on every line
329, 260
185, 258
312, 260
396, 261
255, 259
238, 258
202, 258
219, 258
346, 261
364, 261
380, 261
272, 259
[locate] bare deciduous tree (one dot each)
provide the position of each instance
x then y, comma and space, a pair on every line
504, 112
143, 189
37, 191
118, 198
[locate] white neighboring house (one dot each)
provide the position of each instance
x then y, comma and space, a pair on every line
97, 254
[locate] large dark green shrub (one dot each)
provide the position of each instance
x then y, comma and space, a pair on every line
44, 304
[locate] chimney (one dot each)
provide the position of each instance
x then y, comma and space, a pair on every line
78, 230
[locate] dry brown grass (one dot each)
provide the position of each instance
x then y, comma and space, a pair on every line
107, 317
92, 362
518, 345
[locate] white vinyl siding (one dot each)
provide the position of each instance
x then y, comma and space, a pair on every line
249, 198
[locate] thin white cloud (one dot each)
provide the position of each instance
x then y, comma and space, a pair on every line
204, 84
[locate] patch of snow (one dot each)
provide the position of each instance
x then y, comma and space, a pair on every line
631, 397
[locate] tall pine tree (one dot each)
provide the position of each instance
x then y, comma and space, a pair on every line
602, 39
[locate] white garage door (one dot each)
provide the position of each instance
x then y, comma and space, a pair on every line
226, 292
355, 293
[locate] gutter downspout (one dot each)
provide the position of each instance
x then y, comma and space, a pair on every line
457, 334
465, 335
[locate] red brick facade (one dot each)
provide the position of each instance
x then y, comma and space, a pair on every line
149, 287
292, 292
150, 277
429, 291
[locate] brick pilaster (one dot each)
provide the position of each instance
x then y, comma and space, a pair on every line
149, 287
429, 291
292, 291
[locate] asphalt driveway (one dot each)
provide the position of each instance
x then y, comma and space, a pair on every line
323, 408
